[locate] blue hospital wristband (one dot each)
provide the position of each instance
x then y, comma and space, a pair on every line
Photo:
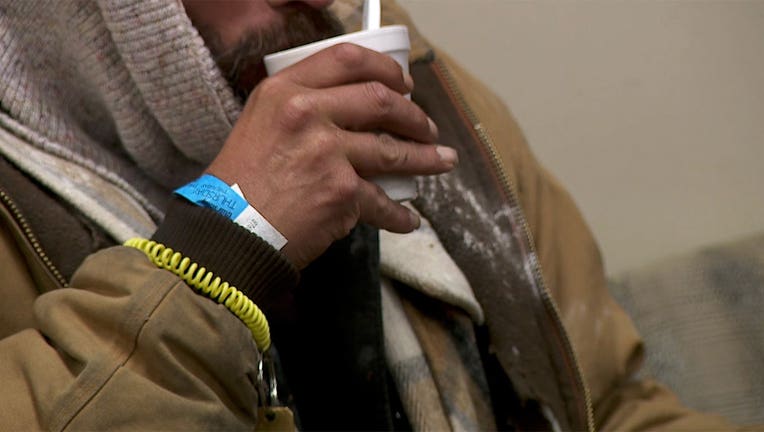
211, 192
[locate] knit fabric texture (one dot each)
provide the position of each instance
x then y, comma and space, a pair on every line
700, 316
123, 88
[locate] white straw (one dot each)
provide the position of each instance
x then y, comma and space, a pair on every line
371, 14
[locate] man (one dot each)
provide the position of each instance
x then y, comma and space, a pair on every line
493, 314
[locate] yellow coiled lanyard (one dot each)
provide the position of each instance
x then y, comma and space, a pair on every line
206, 283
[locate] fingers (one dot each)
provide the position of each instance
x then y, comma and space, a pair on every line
376, 154
347, 63
379, 210
373, 106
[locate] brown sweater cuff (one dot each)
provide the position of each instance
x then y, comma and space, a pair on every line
239, 257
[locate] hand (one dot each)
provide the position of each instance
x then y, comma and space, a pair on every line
309, 136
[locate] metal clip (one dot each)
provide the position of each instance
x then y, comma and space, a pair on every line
273, 385
261, 386
266, 381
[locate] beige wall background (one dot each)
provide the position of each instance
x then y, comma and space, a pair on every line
651, 112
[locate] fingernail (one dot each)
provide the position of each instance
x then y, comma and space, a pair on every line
408, 80
433, 127
447, 154
415, 221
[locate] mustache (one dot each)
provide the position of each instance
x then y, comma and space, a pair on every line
242, 64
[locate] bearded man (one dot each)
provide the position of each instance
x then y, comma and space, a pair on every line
492, 312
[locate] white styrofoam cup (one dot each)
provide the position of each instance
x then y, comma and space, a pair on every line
391, 40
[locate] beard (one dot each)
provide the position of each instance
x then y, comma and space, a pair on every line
242, 65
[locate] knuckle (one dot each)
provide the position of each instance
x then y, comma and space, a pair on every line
271, 86
382, 203
324, 141
391, 155
346, 187
382, 98
349, 55
349, 222
296, 111
343, 225
346, 198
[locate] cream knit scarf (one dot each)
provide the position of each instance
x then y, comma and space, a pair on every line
122, 92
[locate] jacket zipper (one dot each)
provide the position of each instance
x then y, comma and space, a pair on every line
26, 230
509, 191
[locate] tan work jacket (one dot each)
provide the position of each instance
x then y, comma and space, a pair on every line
128, 345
